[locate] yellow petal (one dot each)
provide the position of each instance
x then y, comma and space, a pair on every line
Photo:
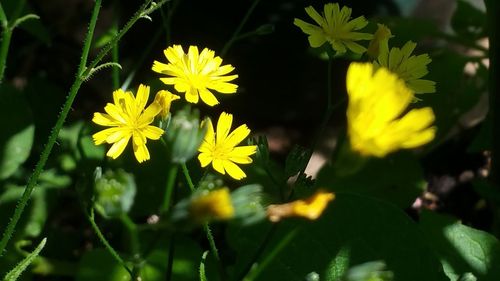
117, 148
152, 132
208, 98
223, 127
205, 159
142, 97
104, 119
241, 154
233, 170
237, 136
141, 152
100, 137
218, 165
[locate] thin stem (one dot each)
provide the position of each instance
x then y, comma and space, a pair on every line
62, 117
236, 33
171, 174
492, 11
206, 226
90, 34
106, 244
4, 48
185, 171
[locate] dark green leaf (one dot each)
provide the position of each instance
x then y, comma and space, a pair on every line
17, 134
462, 249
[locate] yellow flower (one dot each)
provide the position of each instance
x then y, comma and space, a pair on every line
195, 74
128, 119
376, 123
407, 67
165, 99
380, 38
220, 148
216, 204
335, 27
310, 208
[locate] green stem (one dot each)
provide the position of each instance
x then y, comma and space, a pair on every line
62, 116
4, 48
492, 11
106, 243
236, 33
185, 171
172, 174
206, 226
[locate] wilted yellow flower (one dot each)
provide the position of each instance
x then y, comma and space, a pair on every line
216, 204
310, 208
221, 148
376, 123
381, 37
128, 119
335, 27
165, 99
407, 67
195, 74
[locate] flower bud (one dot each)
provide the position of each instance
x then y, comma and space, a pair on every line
114, 192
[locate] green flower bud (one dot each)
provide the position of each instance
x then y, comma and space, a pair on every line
184, 135
114, 192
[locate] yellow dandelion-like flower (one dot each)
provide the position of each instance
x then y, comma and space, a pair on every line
128, 119
407, 67
310, 208
335, 27
376, 123
220, 148
216, 204
165, 99
196, 74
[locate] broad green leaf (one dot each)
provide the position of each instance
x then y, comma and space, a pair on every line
353, 230
17, 134
462, 249
14, 274
397, 178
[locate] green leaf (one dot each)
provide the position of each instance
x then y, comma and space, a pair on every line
397, 178
17, 134
462, 249
98, 264
16, 272
203, 275
352, 231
